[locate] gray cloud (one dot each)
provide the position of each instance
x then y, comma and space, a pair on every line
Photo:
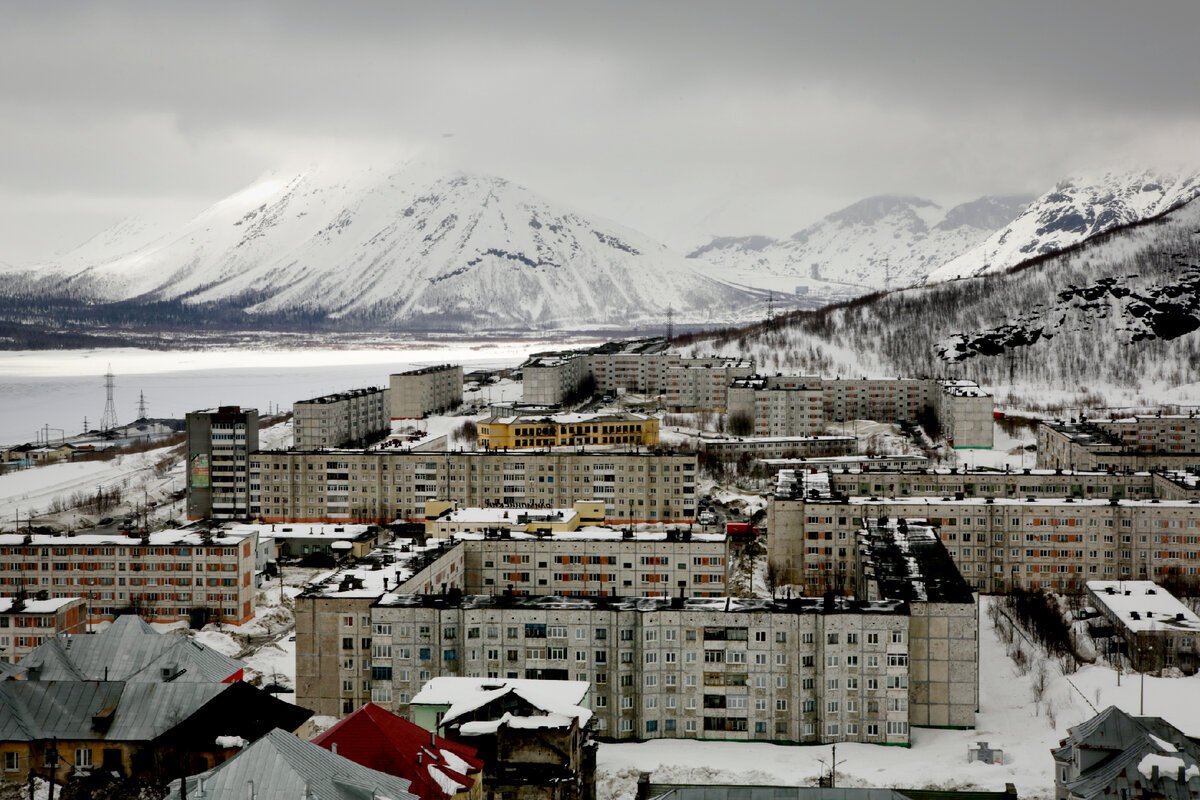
678, 118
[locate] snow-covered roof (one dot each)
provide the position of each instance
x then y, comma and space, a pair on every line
36, 606
507, 516
301, 530
158, 538
598, 533
559, 699
1144, 606
365, 580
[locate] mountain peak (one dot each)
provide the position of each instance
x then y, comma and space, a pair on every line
873, 209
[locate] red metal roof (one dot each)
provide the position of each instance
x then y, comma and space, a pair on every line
375, 737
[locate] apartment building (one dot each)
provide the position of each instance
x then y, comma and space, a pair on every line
799, 405
505, 432
1155, 629
381, 486
345, 419
992, 483
779, 406
702, 384
599, 563
642, 366
966, 414
999, 544
690, 667
167, 576
1155, 443
731, 448
219, 442
420, 392
333, 629
26, 622
849, 463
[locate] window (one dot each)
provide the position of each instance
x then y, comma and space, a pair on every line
872, 638
11, 762
83, 758
896, 728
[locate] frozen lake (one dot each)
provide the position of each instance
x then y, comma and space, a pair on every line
61, 388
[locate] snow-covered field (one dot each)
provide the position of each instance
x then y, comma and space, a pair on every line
1008, 719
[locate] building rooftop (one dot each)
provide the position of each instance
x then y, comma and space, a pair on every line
428, 370
32, 606
376, 738
158, 538
709, 438
339, 396
465, 695
601, 534
905, 560
1144, 606
282, 765
386, 568
302, 530
566, 418
736, 605
128, 650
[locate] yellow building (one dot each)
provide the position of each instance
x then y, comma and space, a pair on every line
515, 432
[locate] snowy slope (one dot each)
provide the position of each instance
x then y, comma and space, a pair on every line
400, 246
877, 243
1077, 209
1113, 322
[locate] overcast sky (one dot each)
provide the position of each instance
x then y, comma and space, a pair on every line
681, 119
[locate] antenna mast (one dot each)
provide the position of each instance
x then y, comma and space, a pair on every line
670, 323
109, 419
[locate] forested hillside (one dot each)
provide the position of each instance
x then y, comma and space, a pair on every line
1113, 321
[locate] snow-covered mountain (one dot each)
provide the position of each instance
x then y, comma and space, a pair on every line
400, 248
877, 243
1075, 210
1115, 321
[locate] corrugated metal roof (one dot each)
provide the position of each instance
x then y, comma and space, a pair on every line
282, 766
65, 709
128, 650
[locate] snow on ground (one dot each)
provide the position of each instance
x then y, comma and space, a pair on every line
1007, 451
31, 491
1008, 719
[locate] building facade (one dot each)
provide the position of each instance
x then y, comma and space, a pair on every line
167, 576
1048, 483
999, 544
381, 486
567, 430
26, 623
344, 419
218, 445
1166, 442
1157, 630
763, 670
420, 392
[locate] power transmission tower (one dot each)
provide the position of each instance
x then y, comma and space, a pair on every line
142, 412
770, 306
85, 427
887, 273
108, 420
